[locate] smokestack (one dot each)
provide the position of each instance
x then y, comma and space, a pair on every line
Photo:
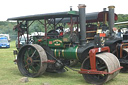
70, 8
82, 19
111, 19
104, 9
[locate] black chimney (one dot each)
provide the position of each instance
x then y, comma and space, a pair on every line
70, 8
104, 9
111, 19
82, 19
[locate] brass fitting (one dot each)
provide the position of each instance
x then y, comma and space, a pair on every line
111, 7
81, 6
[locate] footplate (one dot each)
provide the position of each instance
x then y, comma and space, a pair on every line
85, 71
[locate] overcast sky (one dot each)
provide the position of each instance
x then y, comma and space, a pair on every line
15, 8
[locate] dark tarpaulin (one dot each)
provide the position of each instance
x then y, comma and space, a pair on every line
90, 17
46, 16
98, 16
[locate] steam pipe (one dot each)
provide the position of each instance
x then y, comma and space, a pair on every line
82, 19
111, 19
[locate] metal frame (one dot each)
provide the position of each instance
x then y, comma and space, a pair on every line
123, 45
46, 24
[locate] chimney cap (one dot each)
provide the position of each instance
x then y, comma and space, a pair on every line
81, 6
111, 7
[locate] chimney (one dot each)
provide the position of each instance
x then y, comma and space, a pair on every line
70, 8
82, 19
104, 9
111, 19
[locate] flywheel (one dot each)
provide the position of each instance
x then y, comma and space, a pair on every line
29, 60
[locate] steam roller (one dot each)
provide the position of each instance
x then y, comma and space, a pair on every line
53, 52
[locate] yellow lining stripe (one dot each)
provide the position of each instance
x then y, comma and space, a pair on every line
76, 53
63, 52
55, 52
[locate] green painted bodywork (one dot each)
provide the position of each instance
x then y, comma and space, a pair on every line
73, 12
55, 43
42, 42
61, 47
67, 53
66, 38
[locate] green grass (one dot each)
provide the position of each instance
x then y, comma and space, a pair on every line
10, 75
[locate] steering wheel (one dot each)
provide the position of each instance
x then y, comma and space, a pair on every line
53, 34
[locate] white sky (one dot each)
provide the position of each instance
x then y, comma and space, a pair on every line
15, 8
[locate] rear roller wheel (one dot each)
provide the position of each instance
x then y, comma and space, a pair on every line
124, 61
30, 60
104, 62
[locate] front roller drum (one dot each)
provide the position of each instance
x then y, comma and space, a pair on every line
104, 62
29, 60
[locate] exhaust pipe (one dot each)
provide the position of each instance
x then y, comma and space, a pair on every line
82, 19
111, 19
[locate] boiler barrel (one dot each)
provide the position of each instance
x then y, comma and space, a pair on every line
68, 53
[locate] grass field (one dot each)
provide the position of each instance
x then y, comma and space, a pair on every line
10, 75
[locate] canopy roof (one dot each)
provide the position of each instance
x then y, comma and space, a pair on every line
90, 17
46, 16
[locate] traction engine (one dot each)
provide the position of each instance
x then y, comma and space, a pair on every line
53, 51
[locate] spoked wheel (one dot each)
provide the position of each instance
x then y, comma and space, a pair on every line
104, 62
30, 60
